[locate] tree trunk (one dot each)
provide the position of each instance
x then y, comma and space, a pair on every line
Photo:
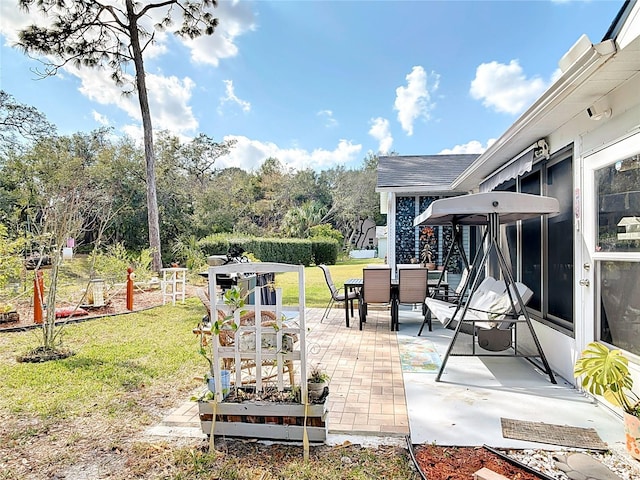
141, 85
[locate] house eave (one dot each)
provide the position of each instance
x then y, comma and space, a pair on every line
562, 101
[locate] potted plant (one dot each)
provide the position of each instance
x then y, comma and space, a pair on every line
427, 251
222, 324
317, 384
606, 372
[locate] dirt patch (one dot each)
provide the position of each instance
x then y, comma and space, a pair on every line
43, 354
116, 305
460, 463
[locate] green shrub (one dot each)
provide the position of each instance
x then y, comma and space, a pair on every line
327, 231
112, 264
187, 250
216, 244
283, 250
325, 250
10, 259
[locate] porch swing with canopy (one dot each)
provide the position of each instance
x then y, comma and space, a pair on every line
488, 322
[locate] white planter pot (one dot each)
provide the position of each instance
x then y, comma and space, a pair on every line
315, 390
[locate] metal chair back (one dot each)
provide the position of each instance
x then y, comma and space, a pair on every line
329, 280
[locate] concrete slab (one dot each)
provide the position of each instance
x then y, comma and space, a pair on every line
465, 407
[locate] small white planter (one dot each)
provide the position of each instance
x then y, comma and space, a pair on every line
316, 389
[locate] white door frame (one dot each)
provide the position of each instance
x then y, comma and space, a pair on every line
587, 329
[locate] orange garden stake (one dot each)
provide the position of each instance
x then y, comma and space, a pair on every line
38, 289
130, 277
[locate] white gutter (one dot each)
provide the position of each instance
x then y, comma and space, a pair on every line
580, 62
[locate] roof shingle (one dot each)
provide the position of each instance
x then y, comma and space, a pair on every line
421, 172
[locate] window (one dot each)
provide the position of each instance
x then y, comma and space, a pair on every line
559, 259
617, 188
532, 238
544, 246
620, 304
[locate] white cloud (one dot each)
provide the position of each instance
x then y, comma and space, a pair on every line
98, 87
169, 96
169, 103
100, 118
235, 19
381, 132
250, 154
414, 100
505, 88
474, 146
230, 97
329, 121
557, 73
13, 19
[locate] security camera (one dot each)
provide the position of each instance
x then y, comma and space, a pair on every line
598, 111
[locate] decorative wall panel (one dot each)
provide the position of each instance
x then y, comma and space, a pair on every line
405, 231
411, 241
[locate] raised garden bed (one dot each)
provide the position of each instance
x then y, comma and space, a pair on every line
265, 420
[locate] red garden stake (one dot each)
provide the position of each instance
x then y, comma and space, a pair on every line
38, 289
130, 277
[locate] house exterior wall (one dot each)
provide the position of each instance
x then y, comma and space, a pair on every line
405, 242
588, 137
600, 193
590, 141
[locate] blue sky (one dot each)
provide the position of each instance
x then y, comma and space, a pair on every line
323, 83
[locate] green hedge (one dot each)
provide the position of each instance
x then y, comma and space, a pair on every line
325, 250
294, 251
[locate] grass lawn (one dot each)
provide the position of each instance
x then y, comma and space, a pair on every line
316, 290
85, 416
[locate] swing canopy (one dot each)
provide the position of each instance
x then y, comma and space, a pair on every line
475, 209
